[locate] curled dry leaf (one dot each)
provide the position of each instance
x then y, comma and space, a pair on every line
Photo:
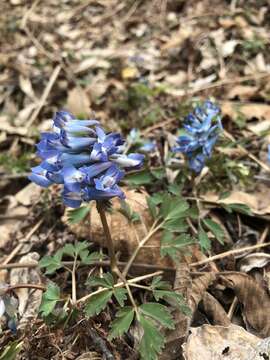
257, 202
125, 234
209, 342
29, 300
214, 310
256, 260
199, 287
255, 301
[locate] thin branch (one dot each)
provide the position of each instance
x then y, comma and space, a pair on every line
228, 253
121, 284
26, 286
152, 231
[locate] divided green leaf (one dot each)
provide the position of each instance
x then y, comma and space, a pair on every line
98, 302
77, 215
215, 229
241, 208
171, 245
122, 322
152, 341
204, 241
120, 295
51, 263
140, 178
105, 281
159, 313
131, 215
49, 299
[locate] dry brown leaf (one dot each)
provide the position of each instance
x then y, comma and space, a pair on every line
256, 110
29, 300
243, 92
214, 310
256, 260
125, 235
255, 301
28, 195
78, 102
176, 337
209, 342
199, 287
258, 202
26, 87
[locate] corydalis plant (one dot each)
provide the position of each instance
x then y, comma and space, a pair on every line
87, 161
202, 127
81, 156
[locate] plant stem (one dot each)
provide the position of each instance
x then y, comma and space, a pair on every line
122, 284
73, 277
110, 244
25, 286
152, 231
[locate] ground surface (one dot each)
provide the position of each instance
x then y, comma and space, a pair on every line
139, 64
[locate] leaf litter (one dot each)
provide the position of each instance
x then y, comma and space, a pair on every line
140, 65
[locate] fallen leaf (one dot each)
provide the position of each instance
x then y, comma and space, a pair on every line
214, 310
29, 300
26, 87
257, 201
209, 342
78, 102
255, 301
28, 195
198, 289
256, 110
256, 260
243, 92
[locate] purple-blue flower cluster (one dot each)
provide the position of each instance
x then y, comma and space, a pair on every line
82, 157
202, 127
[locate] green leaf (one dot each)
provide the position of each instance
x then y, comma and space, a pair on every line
122, 322
141, 178
215, 229
51, 263
176, 225
131, 215
159, 313
105, 281
204, 240
11, 350
158, 173
152, 207
174, 189
169, 295
88, 258
98, 302
173, 207
77, 215
177, 209
49, 299
152, 341
120, 295
171, 245
158, 283
241, 208
69, 249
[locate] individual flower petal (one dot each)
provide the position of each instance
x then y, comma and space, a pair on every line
94, 170
148, 147
72, 199
73, 178
130, 161
39, 177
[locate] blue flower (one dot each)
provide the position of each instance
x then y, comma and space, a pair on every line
88, 162
202, 130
